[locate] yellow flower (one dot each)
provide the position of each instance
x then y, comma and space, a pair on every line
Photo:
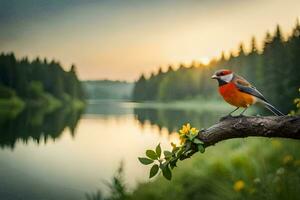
287, 159
188, 126
239, 185
194, 131
185, 129
182, 140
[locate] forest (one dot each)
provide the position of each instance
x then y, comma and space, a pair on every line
273, 69
37, 83
107, 89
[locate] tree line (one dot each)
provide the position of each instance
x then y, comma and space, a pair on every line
274, 69
31, 80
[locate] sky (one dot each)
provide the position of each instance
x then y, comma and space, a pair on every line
119, 40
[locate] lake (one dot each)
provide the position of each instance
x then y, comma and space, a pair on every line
67, 154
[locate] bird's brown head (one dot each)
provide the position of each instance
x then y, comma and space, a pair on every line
223, 76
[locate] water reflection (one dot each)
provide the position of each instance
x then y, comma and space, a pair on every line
37, 124
88, 149
107, 108
172, 119
40, 125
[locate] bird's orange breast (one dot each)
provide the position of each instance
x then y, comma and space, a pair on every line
233, 96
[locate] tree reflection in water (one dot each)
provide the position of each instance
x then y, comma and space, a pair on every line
172, 119
38, 125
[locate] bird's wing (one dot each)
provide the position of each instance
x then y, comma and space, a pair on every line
246, 87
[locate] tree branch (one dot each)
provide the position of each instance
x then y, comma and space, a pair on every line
242, 126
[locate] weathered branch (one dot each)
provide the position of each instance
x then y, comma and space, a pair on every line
242, 126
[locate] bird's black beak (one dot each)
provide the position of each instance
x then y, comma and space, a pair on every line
214, 76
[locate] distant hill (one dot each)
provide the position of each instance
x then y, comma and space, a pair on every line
107, 89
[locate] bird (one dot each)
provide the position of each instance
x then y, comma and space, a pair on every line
238, 92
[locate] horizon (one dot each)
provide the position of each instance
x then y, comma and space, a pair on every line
122, 40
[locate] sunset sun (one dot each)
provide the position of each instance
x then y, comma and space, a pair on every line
205, 60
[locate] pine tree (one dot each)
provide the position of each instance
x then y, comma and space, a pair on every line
255, 63
139, 90
294, 68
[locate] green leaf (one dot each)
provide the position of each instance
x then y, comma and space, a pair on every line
168, 154
197, 141
191, 137
158, 150
153, 171
201, 148
167, 173
162, 166
151, 154
145, 161
173, 163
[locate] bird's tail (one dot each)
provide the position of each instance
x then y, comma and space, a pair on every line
274, 110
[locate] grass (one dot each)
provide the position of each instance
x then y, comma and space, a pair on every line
253, 168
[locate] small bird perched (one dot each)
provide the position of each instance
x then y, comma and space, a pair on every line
240, 93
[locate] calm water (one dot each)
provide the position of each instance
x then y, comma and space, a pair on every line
66, 154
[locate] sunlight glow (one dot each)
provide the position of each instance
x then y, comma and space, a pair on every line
205, 60
110, 40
